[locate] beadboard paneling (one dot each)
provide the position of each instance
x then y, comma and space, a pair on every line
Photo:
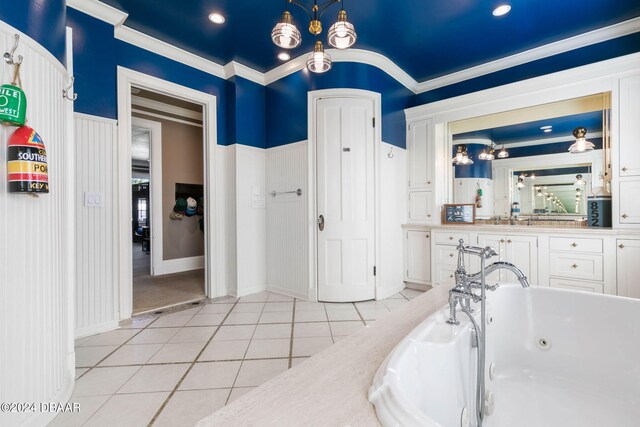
96, 281
36, 346
287, 233
226, 219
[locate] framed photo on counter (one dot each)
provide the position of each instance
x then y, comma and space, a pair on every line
459, 214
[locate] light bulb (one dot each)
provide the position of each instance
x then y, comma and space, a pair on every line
318, 58
341, 29
459, 157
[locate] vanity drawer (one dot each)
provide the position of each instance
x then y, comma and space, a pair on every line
451, 238
576, 285
576, 266
444, 274
575, 244
446, 255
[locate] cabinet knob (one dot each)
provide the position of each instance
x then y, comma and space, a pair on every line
624, 169
429, 182
625, 216
574, 266
501, 240
450, 237
509, 241
427, 236
428, 215
574, 244
621, 246
451, 255
451, 276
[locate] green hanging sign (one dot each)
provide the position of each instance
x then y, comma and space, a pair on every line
13, 105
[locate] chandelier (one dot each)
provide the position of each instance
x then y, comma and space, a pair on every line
341, 35
581, 145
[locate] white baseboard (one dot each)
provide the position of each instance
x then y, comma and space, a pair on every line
287, 292
96, 329
249, 291
179, 265
386, 292
417, 286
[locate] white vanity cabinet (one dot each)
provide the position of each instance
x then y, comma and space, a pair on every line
420, 171
417, 256
577, 263
628, 267
522, 251
628, 164
445, 256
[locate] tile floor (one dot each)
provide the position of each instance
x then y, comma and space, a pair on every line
174, 369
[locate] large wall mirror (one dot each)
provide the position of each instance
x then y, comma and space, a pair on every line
542, 161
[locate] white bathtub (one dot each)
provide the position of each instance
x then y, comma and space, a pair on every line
561, 358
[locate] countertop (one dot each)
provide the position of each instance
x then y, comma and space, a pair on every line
330, 388
506, 228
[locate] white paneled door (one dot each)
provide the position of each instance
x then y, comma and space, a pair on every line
345, 199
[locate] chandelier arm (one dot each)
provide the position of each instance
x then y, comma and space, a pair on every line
303, 7
324, 6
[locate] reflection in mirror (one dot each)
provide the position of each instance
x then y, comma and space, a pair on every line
542, 161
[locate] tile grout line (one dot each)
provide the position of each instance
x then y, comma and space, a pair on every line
359, 314
246, 351
179, 383
293, 322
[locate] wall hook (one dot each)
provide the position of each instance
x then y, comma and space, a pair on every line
390, 153
68, 91
8, 56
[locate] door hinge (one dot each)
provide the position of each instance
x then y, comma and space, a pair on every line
374, 270
374, 122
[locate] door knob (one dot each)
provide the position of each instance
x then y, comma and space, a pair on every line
321, 222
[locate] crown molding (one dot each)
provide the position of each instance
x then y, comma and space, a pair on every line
99, 10
586, 39
115, 17
143, 41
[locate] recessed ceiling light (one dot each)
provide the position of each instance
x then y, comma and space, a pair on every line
501, 10
283, 56
545, 127
547, 130
216, 18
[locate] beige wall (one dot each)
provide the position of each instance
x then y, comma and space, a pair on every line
181, 162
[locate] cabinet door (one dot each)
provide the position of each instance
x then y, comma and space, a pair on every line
497, 242
420, 206
420, 153
418, 256
629, 201
628, 268
522, 251
501, 191
629, 126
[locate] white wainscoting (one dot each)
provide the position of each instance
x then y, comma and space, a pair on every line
251, 230
393, 213
286, 215
96, 281
36, 284
178, 265
226, 219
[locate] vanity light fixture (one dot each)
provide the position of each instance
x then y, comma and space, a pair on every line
217, 18
341, 35
581, 145
503, 154
284, 56
532, 176
491, 155
520, 182
483, 155
579, 180
462, 156
540, 193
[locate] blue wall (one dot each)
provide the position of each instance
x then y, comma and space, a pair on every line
44, 21
96, 57
287, 101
